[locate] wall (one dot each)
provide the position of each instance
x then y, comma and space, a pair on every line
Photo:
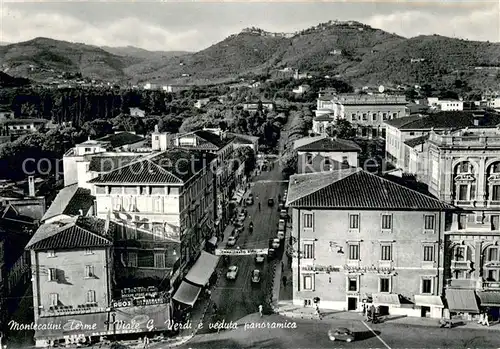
331, 232
70, 169
318, 158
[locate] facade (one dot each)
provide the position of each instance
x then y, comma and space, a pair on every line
169, 199
359, 238
19, 127
254, 106
367, 112
323, 153
450, 105
200, 103
301, 89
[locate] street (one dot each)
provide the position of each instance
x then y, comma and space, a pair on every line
313, 334
237, 298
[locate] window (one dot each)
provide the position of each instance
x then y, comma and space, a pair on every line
384, 116
353, 116
89, 251
345, 160
386, 253
374, 116
426, 285
308, 220
52, 274
495, 220
88, 150
394, 115
100, 190
365, 117
460, 253
354, 221
463, 190
462, 221
412, 133
428, 253
309, 159
91, 296
51, 254
429, 222
159, 260
385, 285
54, 299
89, 271
308, 282
495, 192
308, 250
352, 284
386, 221
492, 254
354, 252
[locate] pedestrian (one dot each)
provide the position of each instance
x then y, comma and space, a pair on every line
282, 266
261, 308
480, 319
364, 310
284, 280
259, 206
146, 342
486, 320
317, 311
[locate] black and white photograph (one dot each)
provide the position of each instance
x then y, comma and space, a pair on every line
249, 174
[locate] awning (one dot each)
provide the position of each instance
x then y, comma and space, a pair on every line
490, 299
54, 327
388, 299
187, 293
461, 301
141, 319
213, 240
429, 301
200, 272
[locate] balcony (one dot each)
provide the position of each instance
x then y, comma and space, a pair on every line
461, 265
71, 310
461, 283
491, 285
385, 264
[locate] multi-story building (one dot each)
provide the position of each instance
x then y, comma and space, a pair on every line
117, 142
366, 112
69, 202
71, 264
323, 153
358, 237
19, 127
169, 198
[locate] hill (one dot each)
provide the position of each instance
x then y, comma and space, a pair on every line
8, 81
358, 53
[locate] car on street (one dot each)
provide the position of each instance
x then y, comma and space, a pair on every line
341, 334
281, 225
260, 258
281, 234
241, 216
283, 214
270, 202
256, 276
276, 243
232, 272
270, 253
249, 199
231, 241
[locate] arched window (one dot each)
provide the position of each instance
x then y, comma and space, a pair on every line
493, 188
491, 264
464, 182
461, 261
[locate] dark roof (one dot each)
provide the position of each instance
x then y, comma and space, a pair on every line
324, 117
76, 233
120, 139
172, 166
242, 140
413, 142
69, 201
356, 188
330, 144
446, 120
108, 163
211, 137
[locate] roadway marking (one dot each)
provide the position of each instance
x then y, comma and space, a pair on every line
376, 335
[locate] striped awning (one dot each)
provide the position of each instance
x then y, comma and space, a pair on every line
462, 301
428, 301
187, 293
387, 299
490, 299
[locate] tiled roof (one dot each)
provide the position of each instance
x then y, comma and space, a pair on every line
330, 144
78, 232
108, 163
120, 139
242, 140
306, 140
171, 166
446, 120
69, 201
416, 141
211, 137
324, 117
356, 188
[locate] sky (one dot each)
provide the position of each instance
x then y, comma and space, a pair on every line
194, 25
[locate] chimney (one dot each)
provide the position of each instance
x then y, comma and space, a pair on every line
31, 186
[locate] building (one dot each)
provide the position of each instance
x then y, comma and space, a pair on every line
137, 112
71, 266
259, 105
200, 103
70, 201
359, 238
367, 112
323, 153
241, 140
16, 128
169, 199
323, 122
445, 104
78, 157
301, 89
25, 202
405, 133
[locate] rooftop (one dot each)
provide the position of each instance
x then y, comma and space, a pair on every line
356, 188
69, 201
326, 143
173, 166
413, 142
370, 99
324, 117
107, 163
72, 233
120, 139
446, 120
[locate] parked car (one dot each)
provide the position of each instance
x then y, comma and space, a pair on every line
256, 276
232, 272
283, 214
271, 253
249, 201
241, 216
341, 334
231, 241
270, 202
281, 234
276, 243
281, 225
260, 258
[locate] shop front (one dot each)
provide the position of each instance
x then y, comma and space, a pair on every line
430, 306
490, 303
387, 303
82, 329
462, 303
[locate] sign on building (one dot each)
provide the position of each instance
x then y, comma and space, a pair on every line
235, 252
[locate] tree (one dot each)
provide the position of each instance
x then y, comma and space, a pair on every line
344, 129
289, 161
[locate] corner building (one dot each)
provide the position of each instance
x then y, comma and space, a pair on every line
359, 238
